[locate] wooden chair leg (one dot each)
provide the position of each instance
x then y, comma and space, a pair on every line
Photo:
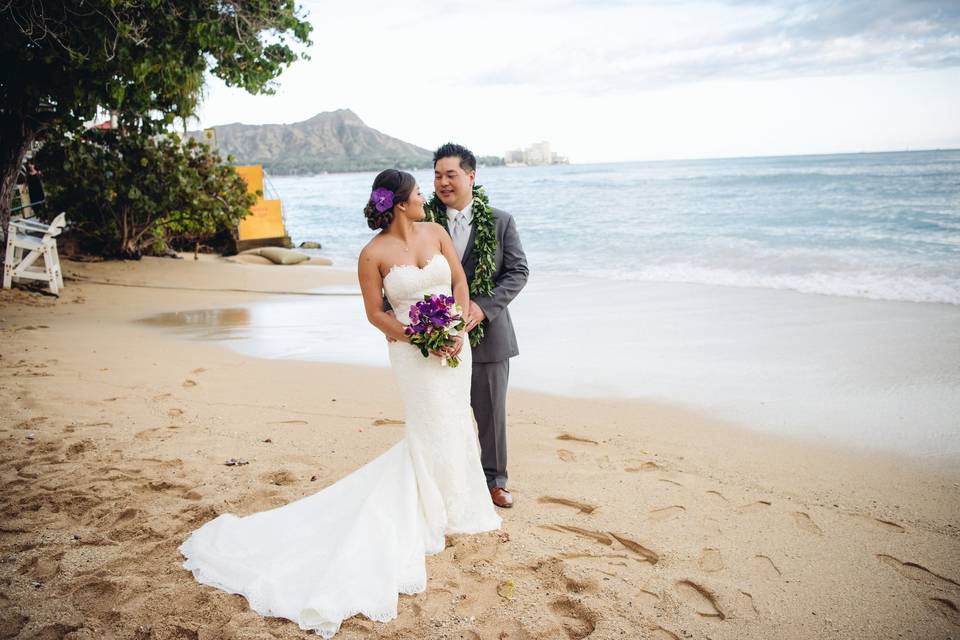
56, 265
48, 267
8, 261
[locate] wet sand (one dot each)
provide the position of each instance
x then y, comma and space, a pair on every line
632, 519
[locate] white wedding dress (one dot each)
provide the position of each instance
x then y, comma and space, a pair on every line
354, 546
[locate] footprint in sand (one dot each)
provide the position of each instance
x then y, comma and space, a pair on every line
148, 434
932, 582
753, 507
710, 560
582, 506
566, 456
577, 621
647, 599
77, 448
189, 383
384, 422
745, 603
573, 438
96, 597
700, 599
659, 633
646, 466
279, 478
805, 522
596, 536
917, 572
173, 413
667, 512
764, 566
946, 608
645, 554
888, 525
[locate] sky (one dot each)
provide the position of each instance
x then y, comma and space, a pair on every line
618, 80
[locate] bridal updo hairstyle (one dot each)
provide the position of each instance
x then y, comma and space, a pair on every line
401, 184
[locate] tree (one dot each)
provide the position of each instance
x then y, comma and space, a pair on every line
143, 59
127, 191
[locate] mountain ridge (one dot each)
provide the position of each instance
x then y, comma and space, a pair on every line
330, 141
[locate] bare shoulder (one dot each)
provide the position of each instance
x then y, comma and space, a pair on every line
372, 252
434, 227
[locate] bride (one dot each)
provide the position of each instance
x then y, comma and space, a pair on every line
354, 546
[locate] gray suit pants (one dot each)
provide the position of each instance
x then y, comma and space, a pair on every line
488, 397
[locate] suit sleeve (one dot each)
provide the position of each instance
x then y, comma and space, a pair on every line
513, 275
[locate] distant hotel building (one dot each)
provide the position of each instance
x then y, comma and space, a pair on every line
536, 154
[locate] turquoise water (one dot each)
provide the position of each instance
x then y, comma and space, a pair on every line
630, 296
878, 225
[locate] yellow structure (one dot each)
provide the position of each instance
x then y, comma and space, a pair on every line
264, 226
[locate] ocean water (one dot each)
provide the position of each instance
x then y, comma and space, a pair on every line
817, 297
879, 225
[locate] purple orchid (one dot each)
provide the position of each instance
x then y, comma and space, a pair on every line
382, 199
433, 322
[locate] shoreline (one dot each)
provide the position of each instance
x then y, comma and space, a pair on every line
631, 519
854, 373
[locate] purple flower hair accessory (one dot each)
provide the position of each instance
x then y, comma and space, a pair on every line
382, 199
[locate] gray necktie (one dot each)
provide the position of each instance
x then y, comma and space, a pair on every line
460, 233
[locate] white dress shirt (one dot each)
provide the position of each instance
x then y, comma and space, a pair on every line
459, 223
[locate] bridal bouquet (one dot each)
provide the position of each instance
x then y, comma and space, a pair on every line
433, 322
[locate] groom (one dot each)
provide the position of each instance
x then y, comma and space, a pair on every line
455, 170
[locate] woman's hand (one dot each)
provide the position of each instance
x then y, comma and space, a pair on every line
452, 348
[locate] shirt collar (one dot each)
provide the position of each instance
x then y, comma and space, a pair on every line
467, 212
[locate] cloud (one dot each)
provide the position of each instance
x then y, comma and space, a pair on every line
623, 47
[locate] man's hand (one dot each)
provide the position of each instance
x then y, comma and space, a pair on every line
392, 315
476, 316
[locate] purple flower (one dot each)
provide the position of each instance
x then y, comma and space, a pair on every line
382, 199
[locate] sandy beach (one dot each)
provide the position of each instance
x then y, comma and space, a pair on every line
632, 519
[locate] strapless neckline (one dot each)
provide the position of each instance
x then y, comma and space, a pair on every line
412, 266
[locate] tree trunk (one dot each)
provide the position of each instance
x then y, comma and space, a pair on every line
16, 136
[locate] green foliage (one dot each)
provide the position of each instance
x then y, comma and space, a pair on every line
484, 246
128, 192
143, 60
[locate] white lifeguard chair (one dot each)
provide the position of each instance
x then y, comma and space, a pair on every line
28, 241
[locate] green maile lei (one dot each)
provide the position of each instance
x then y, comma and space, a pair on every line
484, 247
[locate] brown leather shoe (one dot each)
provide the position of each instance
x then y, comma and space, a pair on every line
501, 497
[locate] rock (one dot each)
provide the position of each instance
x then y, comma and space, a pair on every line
310, 244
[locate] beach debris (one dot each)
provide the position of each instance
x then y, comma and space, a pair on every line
313, 478
576, 504
503, 536
35, 584
571, 437
268, 440
236, 462
310, 244
381, 422
506, 589
30, 436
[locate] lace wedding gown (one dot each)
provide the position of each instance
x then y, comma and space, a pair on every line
354, 546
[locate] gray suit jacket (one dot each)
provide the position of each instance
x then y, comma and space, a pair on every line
499, 340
